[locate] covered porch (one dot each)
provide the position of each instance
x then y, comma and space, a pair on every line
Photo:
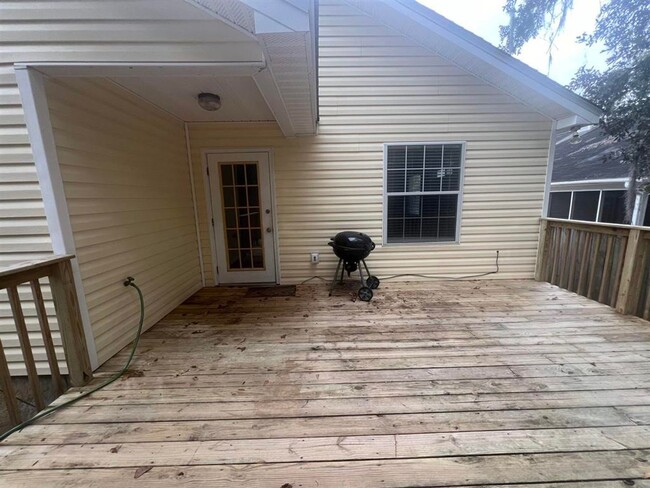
452, 383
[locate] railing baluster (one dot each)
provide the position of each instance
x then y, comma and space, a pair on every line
8, 390
550, 264
564, 276
593, 266
616, 282
575, 248
646, 308
584, 267
57, 380
25, 345
607, 264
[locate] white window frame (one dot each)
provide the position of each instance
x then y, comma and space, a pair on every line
459, 193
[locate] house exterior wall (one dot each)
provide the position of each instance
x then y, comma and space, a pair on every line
127, 185
377, 87
92, 31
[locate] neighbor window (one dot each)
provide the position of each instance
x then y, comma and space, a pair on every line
590, 205
423, 186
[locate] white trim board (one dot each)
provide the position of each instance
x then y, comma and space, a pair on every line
188, 150
604, 184
549, 170
41, 137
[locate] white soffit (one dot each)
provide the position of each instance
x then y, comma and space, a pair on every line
285, 30
241, 100
480, 58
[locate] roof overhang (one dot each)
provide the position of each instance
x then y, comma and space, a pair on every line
482, 59
287, 32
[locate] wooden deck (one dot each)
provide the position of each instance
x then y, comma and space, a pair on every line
430, 384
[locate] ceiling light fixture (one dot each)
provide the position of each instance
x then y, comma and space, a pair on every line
209, 101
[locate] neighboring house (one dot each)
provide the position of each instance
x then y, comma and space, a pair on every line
590, 182
371, 115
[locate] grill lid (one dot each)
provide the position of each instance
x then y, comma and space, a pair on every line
351, 240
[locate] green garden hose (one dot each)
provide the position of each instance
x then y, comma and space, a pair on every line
43, 413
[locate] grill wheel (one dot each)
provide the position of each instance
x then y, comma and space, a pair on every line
365, 294
372, 282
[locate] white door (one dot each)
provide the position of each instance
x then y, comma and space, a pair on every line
240, 189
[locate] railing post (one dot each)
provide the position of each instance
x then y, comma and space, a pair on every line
70, 324
542, 251
627, 298
8, 390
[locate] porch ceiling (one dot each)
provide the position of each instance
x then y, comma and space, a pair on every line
258, 56
286, 31
241, 100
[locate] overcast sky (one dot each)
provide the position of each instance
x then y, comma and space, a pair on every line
483, 18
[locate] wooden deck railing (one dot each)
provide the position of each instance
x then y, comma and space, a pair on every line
605, 262
58, 271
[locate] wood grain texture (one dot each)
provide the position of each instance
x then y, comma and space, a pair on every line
430, 384
8, 391
57, 380
25, 346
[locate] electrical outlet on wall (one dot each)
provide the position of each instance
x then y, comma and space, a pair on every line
315, 257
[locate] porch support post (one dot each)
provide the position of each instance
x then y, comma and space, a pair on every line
39, 128
627, 298
542, 251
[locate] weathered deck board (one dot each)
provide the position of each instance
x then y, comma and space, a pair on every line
431, 384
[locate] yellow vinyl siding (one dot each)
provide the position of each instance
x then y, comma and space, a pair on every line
24, 235
80, 31
378, 87
126, 180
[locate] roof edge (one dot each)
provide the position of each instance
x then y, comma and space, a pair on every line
506, 63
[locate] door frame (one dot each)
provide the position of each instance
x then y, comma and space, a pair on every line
208, 201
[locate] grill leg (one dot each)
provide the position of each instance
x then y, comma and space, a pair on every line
342, 274
363, 283
336, 275
366, 266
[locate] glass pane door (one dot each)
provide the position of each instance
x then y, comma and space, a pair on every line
240, 194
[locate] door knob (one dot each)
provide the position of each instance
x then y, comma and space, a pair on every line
268, 229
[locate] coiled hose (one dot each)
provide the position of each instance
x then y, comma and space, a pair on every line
43, 413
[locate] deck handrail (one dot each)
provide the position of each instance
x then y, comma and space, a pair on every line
58, 270
609, 263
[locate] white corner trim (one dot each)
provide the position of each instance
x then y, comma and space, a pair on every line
39, 128
196, 212
549, 169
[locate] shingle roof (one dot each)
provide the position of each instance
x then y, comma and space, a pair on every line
593, 158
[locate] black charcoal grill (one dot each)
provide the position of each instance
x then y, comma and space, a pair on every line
352, 249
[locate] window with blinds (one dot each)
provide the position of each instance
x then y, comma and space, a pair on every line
422, 192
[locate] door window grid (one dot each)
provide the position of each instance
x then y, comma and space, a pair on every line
242, 217
422, 192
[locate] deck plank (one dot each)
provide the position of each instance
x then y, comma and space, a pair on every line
460, 384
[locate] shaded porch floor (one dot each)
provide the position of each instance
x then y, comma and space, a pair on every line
430, 384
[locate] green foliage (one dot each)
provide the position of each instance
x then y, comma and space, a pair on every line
529, 18
623, 88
